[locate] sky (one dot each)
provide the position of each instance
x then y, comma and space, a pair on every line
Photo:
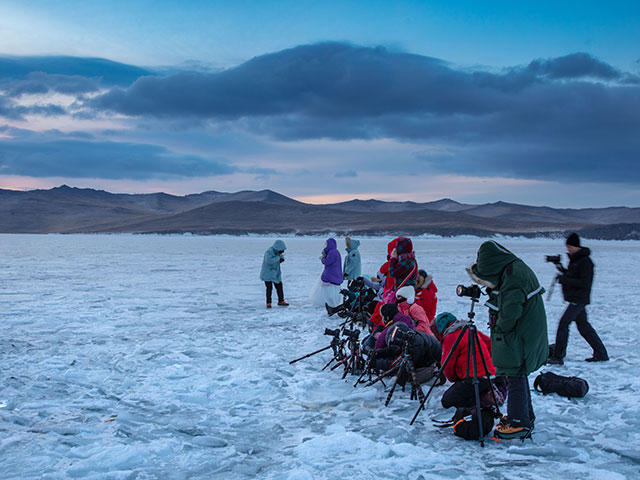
527, 102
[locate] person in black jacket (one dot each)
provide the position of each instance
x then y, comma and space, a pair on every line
576, 283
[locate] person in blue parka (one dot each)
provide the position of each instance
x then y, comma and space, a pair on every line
271, 274
352, 263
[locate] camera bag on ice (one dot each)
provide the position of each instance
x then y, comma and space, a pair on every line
465, 422
570, 387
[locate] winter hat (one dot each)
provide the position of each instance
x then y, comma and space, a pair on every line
389, 311
443, 320
573, 240
407, 292
404, 245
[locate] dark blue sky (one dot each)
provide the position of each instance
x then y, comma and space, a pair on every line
529, 102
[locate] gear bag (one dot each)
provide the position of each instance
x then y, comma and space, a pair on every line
465, 422
570, 387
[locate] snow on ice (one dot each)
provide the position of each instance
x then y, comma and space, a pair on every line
153, 357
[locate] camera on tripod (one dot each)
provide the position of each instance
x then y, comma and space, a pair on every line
555, 259
332, 333
351, 334
472, 291
401, 336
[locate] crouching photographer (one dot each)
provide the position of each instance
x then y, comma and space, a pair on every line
459, 369
425, 349
518, 325
425, 352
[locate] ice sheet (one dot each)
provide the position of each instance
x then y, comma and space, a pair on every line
153, 357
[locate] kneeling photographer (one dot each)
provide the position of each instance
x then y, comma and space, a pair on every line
518, 325
425, 349
459, 370
386, 354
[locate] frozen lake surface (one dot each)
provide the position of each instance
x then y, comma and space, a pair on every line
147, 357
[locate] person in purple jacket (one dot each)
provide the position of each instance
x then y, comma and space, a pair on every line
327, 291
391, 316
332, 262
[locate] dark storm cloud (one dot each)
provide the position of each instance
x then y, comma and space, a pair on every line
40, 83
573, 118
46, 156
574, 66
20, 76
10, 109
106, 71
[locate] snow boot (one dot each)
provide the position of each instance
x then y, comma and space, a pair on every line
268, 305
505, 431
282, 303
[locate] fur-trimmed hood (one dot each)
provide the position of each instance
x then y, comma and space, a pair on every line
492, 259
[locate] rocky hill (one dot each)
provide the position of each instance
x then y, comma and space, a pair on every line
73, 210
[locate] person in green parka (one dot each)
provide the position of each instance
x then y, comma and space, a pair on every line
352, 264
518, 322
271, 274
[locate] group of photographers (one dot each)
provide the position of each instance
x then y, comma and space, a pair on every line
518, 345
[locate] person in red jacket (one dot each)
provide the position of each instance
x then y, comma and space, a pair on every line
389, 282
461, 393
403, 267
426, 294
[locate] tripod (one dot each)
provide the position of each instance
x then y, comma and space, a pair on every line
406, 367
336, 345
473, 342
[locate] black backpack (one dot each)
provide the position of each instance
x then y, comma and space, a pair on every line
570, 387
465, 422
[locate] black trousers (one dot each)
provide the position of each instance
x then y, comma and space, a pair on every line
519, 407
577, 313
279, 290
462, 394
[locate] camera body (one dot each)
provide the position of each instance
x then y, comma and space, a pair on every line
401, 336
351, 334
332, 333
555, 259
472, 291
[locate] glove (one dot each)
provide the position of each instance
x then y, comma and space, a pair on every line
493, 319
281, 259
561, 279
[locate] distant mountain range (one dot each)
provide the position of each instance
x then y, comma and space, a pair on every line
74, 210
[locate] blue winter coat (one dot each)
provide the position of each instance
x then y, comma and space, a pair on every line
332, 263
271, 263
352, 263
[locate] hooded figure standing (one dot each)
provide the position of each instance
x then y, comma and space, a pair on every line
518, 322
271, 274
352, 262
327, 291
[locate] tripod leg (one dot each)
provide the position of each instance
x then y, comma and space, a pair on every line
472, 341
328, 363
414, 382
435, 380
347, 367
393, 387
488, 375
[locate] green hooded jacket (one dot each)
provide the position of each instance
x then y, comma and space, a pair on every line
519, 342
